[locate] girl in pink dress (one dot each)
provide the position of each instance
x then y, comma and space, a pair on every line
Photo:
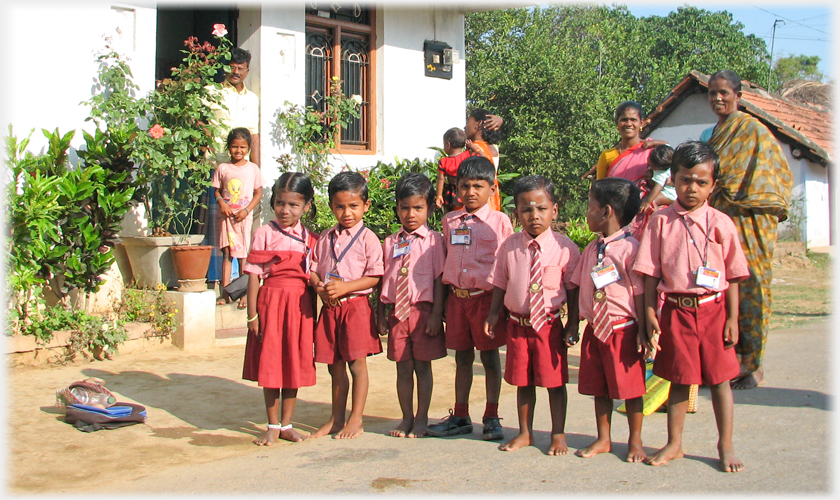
238, 190
281, 314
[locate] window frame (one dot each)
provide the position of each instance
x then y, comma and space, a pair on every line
336, 28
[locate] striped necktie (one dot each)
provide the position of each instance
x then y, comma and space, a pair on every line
536, 303
402, 305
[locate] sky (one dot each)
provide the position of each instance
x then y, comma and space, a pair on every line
807, 27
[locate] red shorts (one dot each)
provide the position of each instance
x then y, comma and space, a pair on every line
692, 345
465, 324
346, 332
408, 339
536, 358
613, 369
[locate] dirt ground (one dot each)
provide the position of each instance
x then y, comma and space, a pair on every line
200, 411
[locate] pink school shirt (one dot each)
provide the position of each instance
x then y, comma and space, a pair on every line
467, 266
237, 184
559, 257
363, 259
425, 263
666, 250
267, 237
622, 253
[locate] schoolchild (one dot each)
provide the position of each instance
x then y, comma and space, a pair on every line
346, 266
691, 253
658, 178
473, 236
532, 278
412, 288
238, 190
446, 196
281, 313
612, 302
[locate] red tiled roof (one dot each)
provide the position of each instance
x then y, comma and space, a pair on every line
808, 127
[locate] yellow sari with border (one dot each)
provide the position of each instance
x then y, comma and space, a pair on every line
754, 190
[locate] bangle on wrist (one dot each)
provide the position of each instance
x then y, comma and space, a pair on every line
252, 319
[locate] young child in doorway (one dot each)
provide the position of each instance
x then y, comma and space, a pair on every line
238, 190
473, 236
691, 253
346, 266
532, 278
281, 309
447, 180
612, 302
412, 284
482, 139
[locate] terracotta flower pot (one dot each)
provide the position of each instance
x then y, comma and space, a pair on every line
191, 264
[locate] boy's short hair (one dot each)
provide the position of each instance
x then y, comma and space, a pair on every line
348, 181
414, 184
692, 153
533, 183
661, 157
621, 194
455, 137
477, 168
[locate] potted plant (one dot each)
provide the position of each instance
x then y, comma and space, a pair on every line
174, 170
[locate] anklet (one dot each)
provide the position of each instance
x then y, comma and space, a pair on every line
281, 427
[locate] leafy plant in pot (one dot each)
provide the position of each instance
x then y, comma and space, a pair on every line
175, 169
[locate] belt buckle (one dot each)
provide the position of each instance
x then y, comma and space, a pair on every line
334, 302
462, 293
688, 302
524, 321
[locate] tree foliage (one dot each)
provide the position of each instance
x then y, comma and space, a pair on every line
556, 75
799, 67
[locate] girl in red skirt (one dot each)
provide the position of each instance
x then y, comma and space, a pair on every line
278, 351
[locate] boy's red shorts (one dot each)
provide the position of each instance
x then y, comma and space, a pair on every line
612, 369
346, 332
692, 345
409, 340
465, 324
536, 358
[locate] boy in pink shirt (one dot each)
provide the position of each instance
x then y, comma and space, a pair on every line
691, 253
412, 283
473, 235
612, 302
346, 266
532, 278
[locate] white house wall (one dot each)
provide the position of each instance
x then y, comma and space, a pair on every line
694, 115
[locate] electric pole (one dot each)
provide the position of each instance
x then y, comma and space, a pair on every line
772, 43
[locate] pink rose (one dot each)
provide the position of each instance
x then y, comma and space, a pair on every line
156, 131
219, 30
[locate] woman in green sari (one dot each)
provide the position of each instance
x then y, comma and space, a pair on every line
753, 189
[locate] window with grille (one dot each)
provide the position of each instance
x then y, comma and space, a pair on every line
339, 42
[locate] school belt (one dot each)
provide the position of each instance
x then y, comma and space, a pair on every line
466, 293
342, 300
526, 320
693, 301
623, 323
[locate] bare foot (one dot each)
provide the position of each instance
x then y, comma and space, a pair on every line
729, 462
268, 437
293, 435
635, 453
330, 427
350, 431
748, 381
596, 447
558, 445
419, 427
401, 430
243, 303
518, 441
221, 301
666, 454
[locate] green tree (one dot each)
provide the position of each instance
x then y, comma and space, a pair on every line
556, 75
799, 67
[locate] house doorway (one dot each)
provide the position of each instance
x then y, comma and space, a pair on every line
177, 23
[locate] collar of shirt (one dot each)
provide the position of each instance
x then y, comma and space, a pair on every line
420, 232
613, 236
480, 214
338, 229
226, 85
698, 215
543, 240
296, 230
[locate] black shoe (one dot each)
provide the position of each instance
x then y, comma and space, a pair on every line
492, 429
450, 426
